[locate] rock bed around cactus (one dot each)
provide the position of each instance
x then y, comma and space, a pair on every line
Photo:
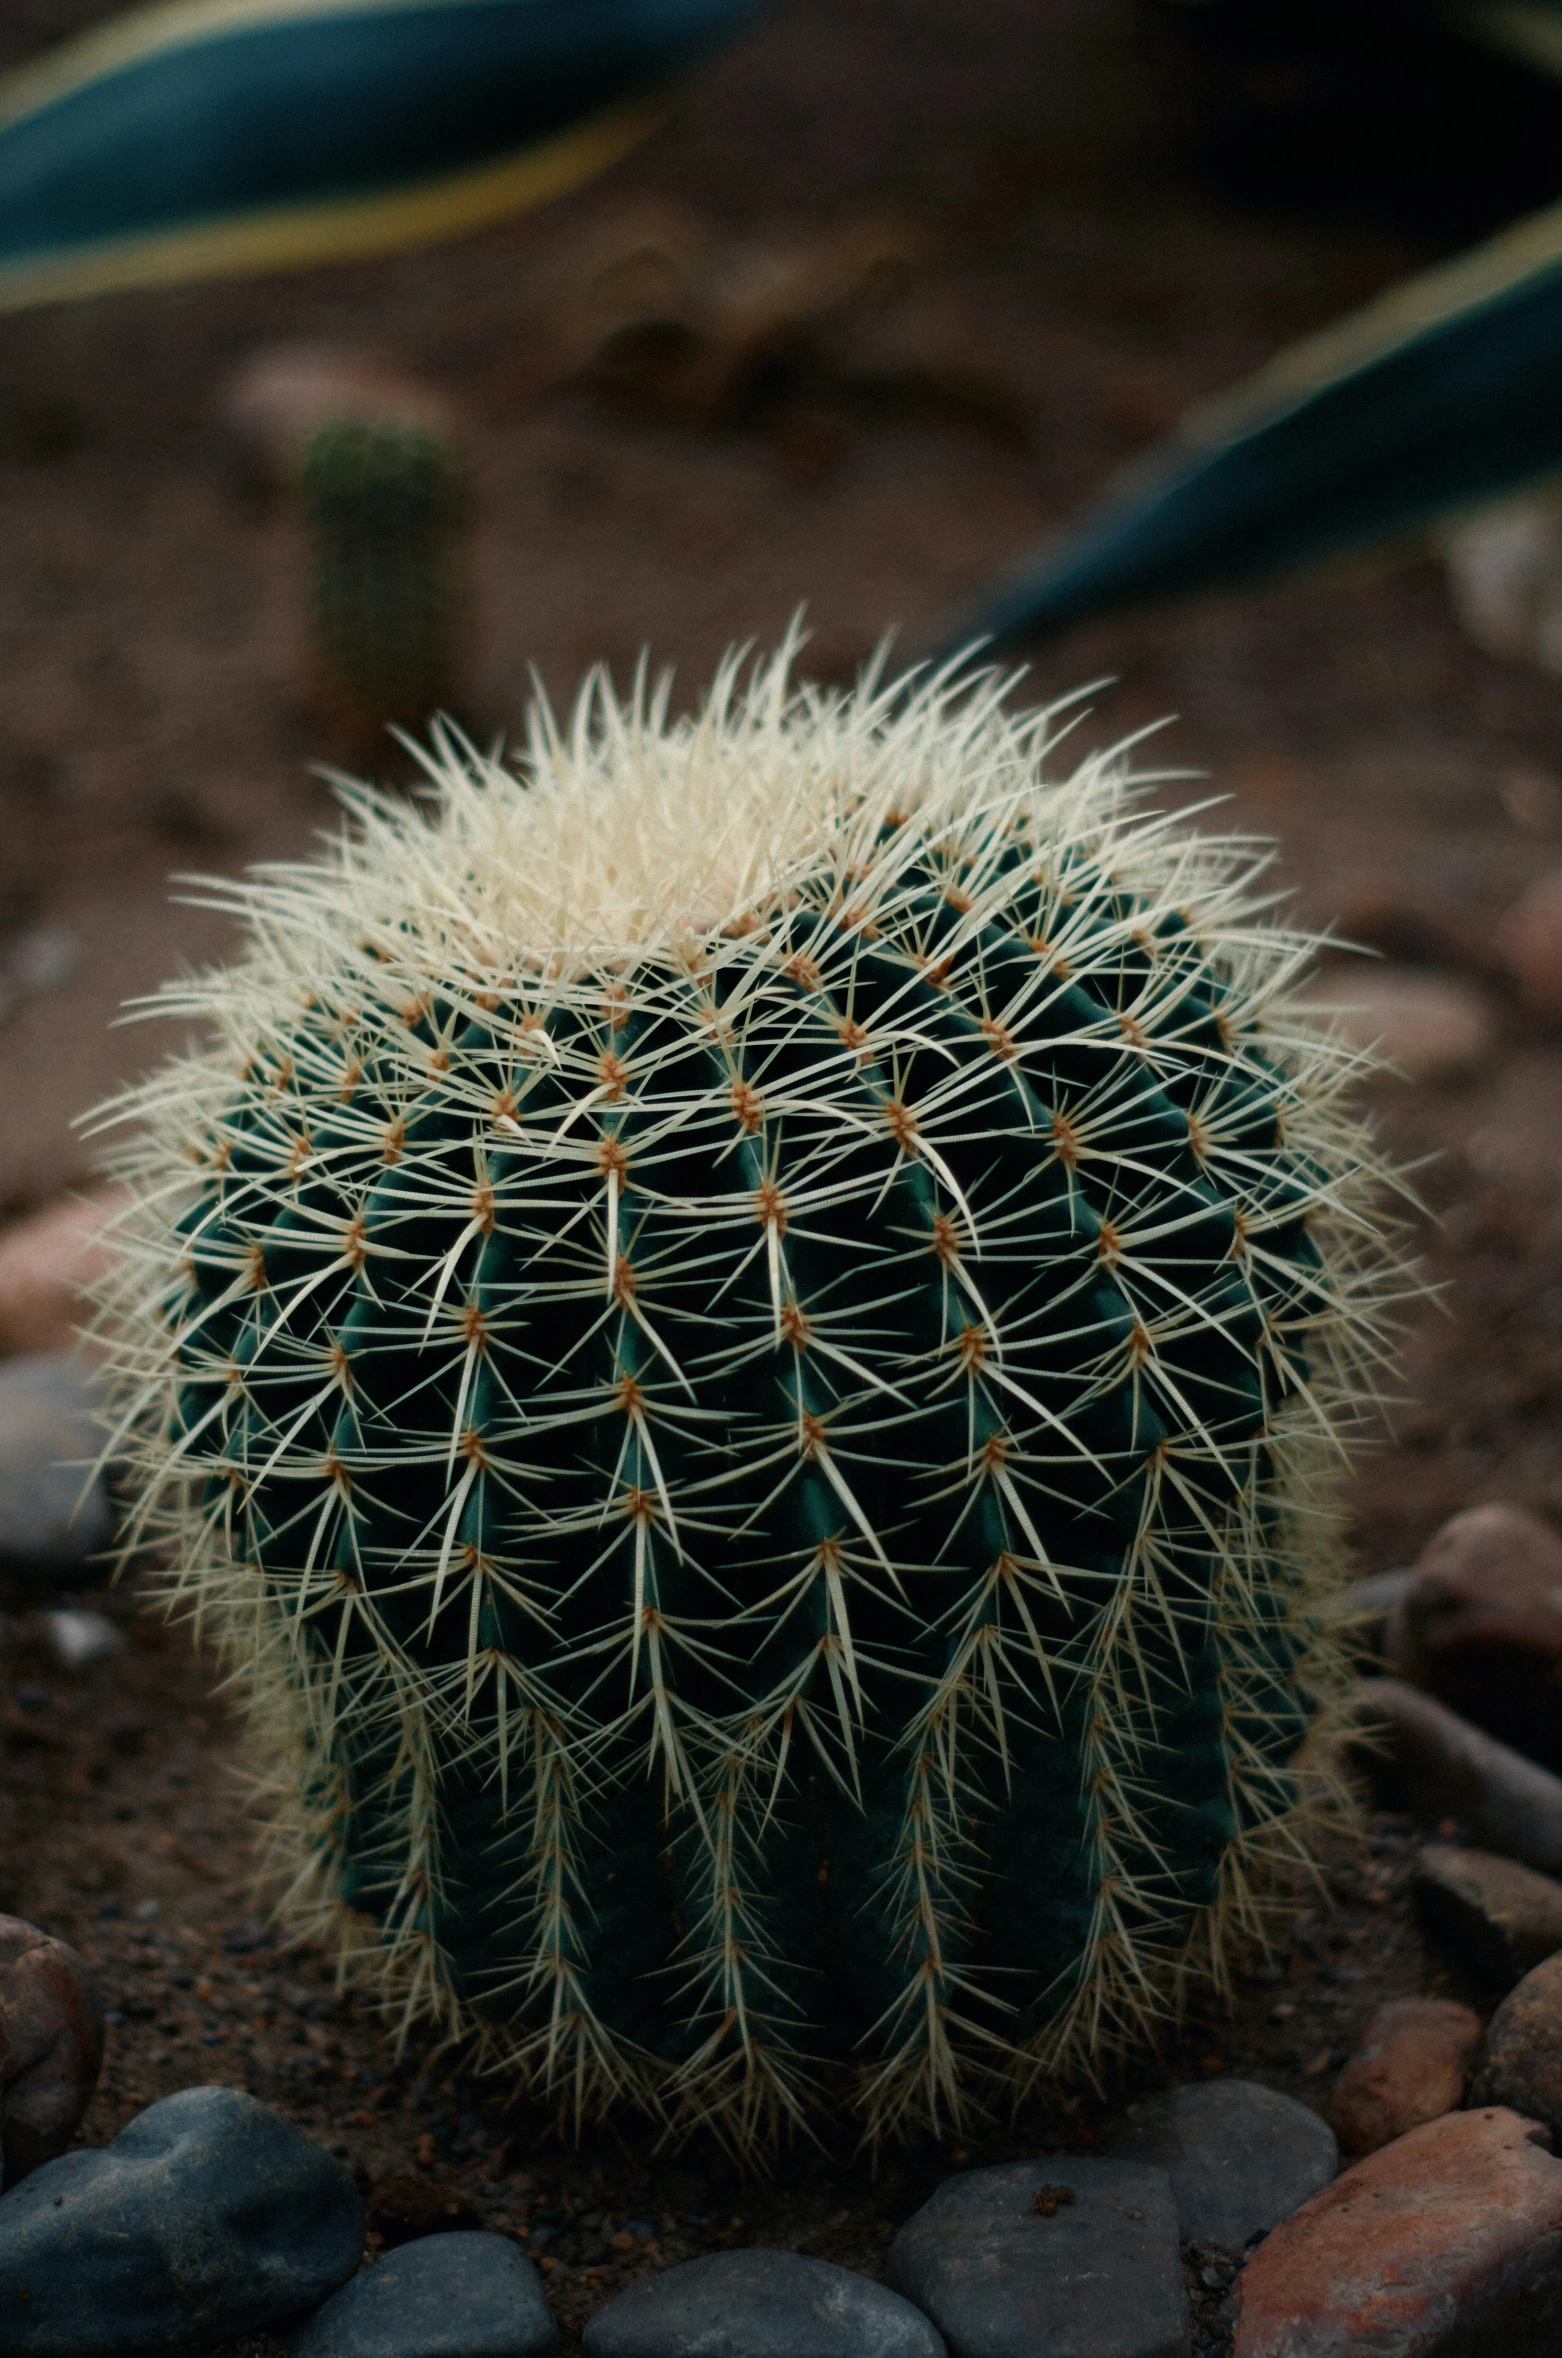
129, 1840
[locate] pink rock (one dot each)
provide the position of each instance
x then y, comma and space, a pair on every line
1480, 1626
1411, 2067
51, 2046
1445, 2244
46, 1262
1428, 1027
1529, 941
284, 392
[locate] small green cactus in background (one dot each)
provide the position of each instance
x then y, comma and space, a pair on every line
383, 501
744, 1338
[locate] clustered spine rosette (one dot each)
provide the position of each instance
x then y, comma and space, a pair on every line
745, 1336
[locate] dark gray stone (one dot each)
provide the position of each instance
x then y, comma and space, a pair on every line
1500, 1918
1100, 2277
1240, 2157
445, 2296
760, 2304
207, 2219
52, 1517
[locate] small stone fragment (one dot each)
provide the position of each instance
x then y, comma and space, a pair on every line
1498, 1918
1426, 1026
1529, 941
1522, 2064
1002, 2280
760, 2304
46, 1262
1411, 2067
1439, 1766
1480, 1626
51, 2046
1445, 2244
54, 1511
1240, 2157
208, 2219
446, 2296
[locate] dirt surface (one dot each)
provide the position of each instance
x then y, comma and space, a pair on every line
1093, 282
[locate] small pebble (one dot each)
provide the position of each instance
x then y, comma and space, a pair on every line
1412, 2066
54, 1511
78, 1639
1241, 2157
1445, 2244
51, 2046
446, 2296
208, 2219
1000, 2279
1522, 2063
1497, 1917
760, 2304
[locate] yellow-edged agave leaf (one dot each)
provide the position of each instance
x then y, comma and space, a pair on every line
202, 138
1439, 395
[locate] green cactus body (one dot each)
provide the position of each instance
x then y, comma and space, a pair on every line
382, 502
748, 1370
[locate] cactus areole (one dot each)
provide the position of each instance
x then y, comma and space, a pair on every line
742, 1338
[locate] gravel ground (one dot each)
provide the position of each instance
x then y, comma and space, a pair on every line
129, 1837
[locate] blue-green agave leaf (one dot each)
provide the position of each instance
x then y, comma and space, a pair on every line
1443, 393
201, 138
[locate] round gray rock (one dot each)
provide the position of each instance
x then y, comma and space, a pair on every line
208, 2218
1071, 2257
445, 2296
760, 2304
1240, 2157
52, 1515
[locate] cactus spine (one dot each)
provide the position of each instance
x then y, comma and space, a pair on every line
744, 1336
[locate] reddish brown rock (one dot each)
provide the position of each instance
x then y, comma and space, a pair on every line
1522, 2065
1411, 2067
1445, 2244
1529, 941
51, 2046
1480, 1626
